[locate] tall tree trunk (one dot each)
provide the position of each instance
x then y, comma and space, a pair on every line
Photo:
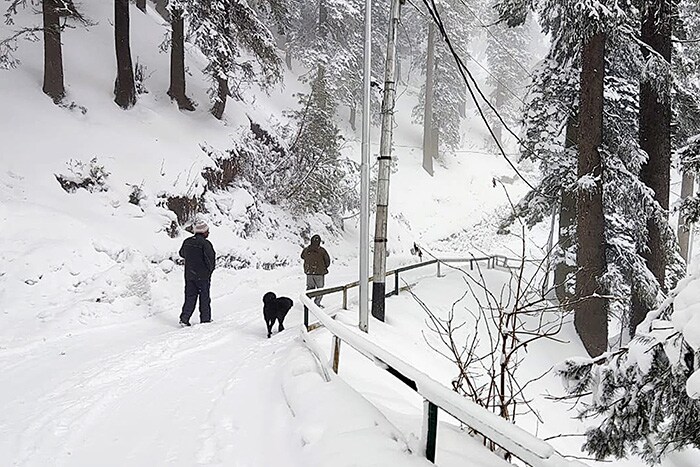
655, 139
567, 218
141, 5
384, 159
288, 54
499, 101
462, 106
428, 145
124, 87
221, 95
177, 62
353, 117
53, 55
591, 317
684, 227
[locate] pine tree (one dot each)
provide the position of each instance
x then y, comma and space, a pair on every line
443, 131
655, 134
315, 153
176, 9
330, 34
53, 11
591, 313
223, 30
53, 53
124, 86
508, 64
686, 101
628, 204
637, 395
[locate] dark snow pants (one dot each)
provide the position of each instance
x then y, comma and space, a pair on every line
195, 289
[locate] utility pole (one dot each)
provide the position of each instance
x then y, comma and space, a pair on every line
428, 123
384, 159
364, 173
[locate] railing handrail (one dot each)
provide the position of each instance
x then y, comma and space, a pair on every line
350, 285
518, 442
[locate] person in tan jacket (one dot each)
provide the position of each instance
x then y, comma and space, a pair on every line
316, 262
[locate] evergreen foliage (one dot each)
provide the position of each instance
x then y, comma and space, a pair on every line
239, 46
299, 166
449, 88
508, 63
552, 100
638, 396
330, 34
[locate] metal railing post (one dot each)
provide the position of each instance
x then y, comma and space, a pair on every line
345, 298
306, 317
439, 274
396, 282
430, 417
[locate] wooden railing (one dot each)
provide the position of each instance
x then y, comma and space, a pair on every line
436, 396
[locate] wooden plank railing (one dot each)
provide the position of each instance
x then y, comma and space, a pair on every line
518, 442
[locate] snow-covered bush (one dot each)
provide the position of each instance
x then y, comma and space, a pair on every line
137, 195
89, 175
645, 398
141, 74
304, 177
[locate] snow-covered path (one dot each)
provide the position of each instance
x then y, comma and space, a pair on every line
145, 393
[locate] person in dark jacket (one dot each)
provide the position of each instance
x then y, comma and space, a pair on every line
316, 262
200, 260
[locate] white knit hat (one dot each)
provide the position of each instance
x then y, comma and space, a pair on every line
201, 227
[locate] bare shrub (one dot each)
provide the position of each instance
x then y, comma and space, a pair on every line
91, 176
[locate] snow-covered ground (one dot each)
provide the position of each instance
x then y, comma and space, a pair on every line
95, 369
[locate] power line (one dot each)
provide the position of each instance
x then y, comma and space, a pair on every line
488, 31
467, 76
472, 58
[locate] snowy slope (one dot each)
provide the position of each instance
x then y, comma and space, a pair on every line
96, 371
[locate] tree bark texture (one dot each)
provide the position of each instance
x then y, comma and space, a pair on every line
567, 221
53, 55
221, 95
384, 160
591, 317
353, 118
177, 62
499, 101
124, 88
428, 146
655, 140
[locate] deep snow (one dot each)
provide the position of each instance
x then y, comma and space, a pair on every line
95, 369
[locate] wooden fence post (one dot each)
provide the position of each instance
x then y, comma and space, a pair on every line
336, 354
439, 274
396, 282
345, 298
306, 317
430, 416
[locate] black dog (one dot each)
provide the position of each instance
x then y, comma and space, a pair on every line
275, 308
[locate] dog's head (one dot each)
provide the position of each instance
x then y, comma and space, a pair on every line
269, 298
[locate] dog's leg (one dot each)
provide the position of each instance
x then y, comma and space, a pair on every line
269, 323
280, 328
